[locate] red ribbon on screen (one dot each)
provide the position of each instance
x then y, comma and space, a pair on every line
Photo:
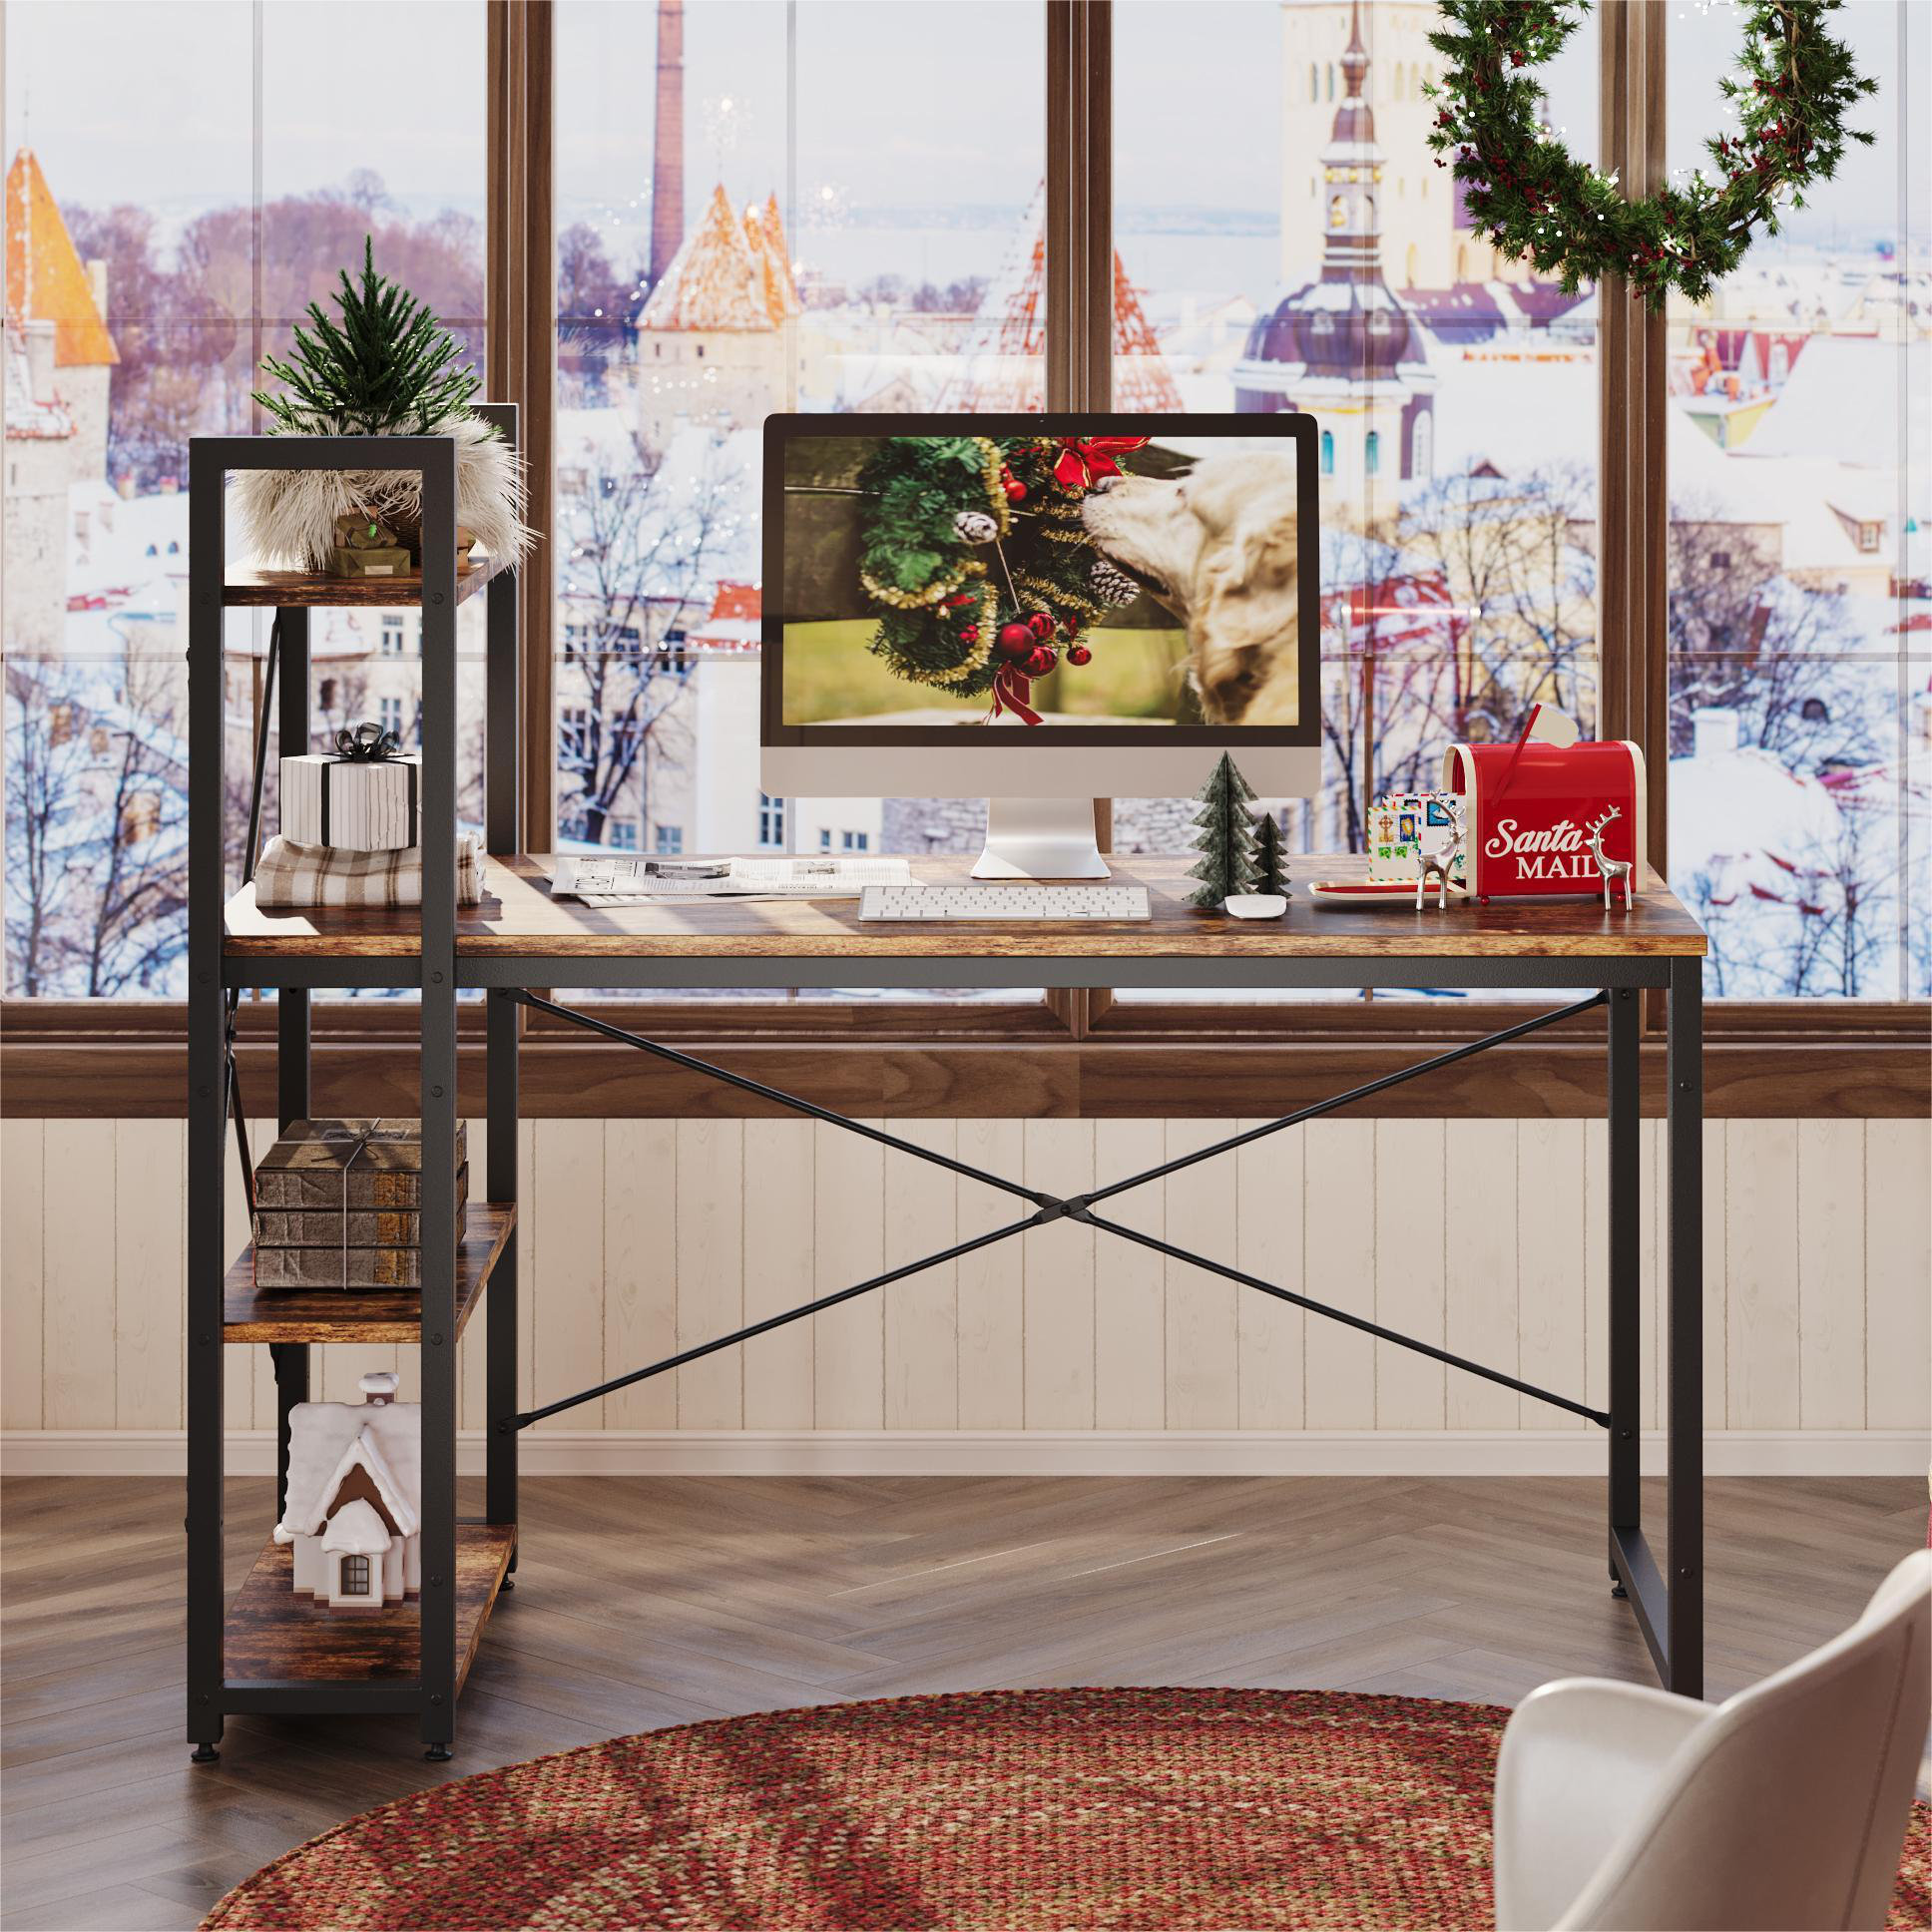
1011, 689
1083, 459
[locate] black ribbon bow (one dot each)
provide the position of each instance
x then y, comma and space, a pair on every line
367, 742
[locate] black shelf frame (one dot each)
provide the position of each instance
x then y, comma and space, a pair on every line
432, 974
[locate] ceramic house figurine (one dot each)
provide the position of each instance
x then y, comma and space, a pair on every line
354, 1512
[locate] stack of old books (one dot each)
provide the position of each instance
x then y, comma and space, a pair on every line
338, 1205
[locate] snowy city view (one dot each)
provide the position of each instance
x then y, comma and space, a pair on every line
846, 216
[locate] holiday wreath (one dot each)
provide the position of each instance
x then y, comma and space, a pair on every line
974, 550
1529, 197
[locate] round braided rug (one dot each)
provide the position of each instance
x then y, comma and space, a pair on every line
1014, 1810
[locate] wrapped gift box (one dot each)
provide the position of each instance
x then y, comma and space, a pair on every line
354, 805
338, 1205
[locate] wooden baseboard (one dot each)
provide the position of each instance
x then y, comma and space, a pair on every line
1116, 1452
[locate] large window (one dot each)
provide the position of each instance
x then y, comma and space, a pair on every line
760, 209
152, 260
777, 221
839, 206
1323, 263
1457, 391
1800, 552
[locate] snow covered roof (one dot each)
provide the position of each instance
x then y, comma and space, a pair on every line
328, 1439
715, 281
599, 440
1750, 824
765, 232
1520, 415
356, 1530
1843, 402
1001, 364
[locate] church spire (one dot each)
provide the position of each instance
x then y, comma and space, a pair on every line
1354, 59
1351, 166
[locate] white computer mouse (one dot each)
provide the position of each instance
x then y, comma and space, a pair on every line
1256, 905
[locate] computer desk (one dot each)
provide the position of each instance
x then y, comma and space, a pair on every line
520, 938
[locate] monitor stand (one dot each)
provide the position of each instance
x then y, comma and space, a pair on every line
1039, 838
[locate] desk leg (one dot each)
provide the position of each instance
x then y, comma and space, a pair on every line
1624, 1274
1685, 1395
500, 1371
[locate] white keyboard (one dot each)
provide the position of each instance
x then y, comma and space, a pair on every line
1003, 902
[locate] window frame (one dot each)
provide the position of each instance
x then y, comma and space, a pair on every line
1787, 1059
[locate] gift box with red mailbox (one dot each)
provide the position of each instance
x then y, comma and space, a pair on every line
1531, 805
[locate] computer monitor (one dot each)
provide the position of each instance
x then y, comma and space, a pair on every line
1040, 610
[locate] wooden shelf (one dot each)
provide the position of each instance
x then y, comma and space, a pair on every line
250, 1313
273, 1634
291, 589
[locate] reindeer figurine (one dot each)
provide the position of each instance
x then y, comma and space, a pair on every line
1438, 863
1613, 870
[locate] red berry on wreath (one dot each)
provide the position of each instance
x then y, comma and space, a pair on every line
964, 597
970, 634
1015, 641
1080, 655
1041, 660
1015, 491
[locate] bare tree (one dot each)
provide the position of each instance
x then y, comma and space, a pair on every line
637, 545
96, 817
1482, 603
47, 785
1780, 656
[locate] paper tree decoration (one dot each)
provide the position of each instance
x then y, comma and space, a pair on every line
1270, 865
1224, 838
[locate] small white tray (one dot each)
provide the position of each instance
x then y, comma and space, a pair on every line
1380, 892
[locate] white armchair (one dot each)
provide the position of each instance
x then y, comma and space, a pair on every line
1624, 1809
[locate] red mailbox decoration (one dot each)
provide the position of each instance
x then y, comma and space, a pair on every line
1534, 805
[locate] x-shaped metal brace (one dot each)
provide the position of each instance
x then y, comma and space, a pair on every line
1049, 1207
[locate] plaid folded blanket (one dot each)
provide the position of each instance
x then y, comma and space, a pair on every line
292, 876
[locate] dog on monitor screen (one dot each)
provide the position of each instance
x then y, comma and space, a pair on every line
1217, 546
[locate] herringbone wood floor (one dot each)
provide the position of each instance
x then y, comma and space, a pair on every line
641, 1604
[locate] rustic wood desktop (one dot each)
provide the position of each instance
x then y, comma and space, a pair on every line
520, 938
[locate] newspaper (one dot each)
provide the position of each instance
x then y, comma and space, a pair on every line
623, 879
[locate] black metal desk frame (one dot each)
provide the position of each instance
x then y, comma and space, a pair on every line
1669, 1613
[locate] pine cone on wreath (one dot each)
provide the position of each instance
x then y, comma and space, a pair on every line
1112, 585
975, 527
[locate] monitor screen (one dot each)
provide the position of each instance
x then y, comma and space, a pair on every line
1118, 579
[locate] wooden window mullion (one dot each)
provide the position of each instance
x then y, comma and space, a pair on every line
520, 351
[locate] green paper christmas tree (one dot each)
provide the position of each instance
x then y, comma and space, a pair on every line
1270, 866
386, 370
1226, 838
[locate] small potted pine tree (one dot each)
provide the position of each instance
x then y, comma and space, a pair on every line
388, 369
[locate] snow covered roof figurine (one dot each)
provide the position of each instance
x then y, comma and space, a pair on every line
354, 1504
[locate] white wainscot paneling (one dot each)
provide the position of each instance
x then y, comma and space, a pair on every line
641, 1236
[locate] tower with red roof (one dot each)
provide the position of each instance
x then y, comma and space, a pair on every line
60, 361
717, 341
